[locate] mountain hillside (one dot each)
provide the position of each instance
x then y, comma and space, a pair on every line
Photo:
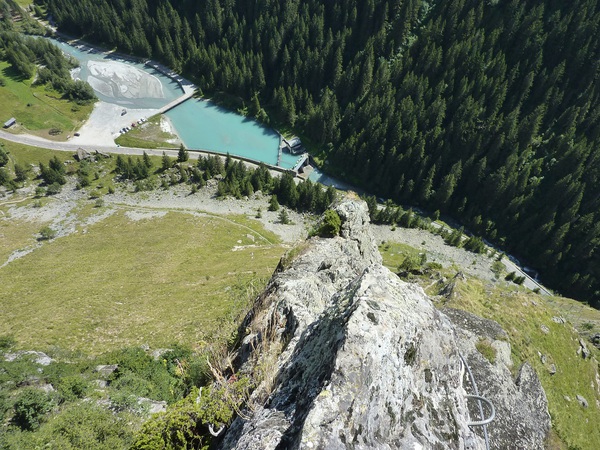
488, 111
358, 358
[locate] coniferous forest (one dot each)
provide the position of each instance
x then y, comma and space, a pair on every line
487, 110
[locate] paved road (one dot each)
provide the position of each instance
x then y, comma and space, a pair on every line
36, 141
529, 282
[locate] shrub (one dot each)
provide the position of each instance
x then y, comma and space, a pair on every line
85, 425
7, 341
519, 280
3, 157
587, 326
511, 276
40, 191
166, 162
475, 244
72, 387
284, 218
4, 177
434, 266
182, 155
331, 224
47, 233
185, 424
412, 262
54, 189
21, 173
497, 268
30, 408
273, 203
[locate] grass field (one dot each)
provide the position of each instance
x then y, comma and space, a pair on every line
148, 135
125, 282
26, 154
394, 253
36, 108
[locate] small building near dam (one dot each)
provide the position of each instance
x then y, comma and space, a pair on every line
10, 122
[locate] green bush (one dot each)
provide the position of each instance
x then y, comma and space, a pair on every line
40, 191
30, 408
412, 262
3, 157
475, 244
47, 233
54, 189
273, 203
284, 217
82, 425
21, 173
72, 387
511, 276
185, 424
7, 341
4, 177
141, 375
498, 268
330, 225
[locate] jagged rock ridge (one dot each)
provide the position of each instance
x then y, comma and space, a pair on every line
353, 357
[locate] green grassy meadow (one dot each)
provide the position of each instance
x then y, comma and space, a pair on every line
37, 108
147, 135
122, 282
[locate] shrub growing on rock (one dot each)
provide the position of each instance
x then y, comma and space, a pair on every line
330, 225
47, 233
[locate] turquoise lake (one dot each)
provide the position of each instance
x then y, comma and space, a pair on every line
201, 125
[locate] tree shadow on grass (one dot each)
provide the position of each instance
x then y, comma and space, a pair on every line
13, 74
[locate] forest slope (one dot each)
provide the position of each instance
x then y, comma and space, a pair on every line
485, 110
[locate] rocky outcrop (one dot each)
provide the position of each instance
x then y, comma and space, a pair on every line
350, 356
521, 407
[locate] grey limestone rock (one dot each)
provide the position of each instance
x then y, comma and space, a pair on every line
38, 357
360, 359
583, 350
106, 370
595, 339
582, 401
522, 418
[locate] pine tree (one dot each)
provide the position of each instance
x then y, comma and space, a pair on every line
166, 162
183, 155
